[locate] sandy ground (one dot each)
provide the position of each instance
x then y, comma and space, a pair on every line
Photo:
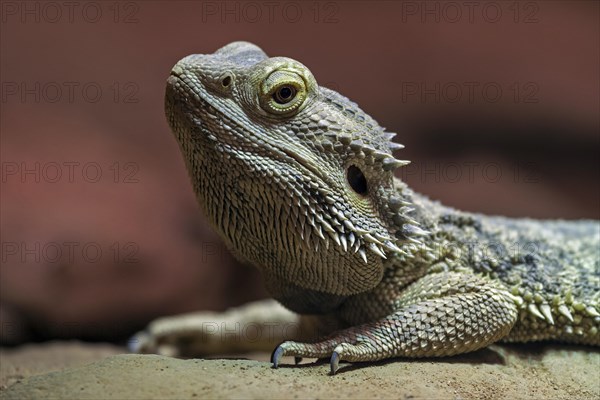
93, 371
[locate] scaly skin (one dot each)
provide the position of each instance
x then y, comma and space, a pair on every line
299, 181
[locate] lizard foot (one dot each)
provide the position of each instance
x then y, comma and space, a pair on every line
436, 320
361, 351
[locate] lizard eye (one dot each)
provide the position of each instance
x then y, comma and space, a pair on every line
357, 180
283, 92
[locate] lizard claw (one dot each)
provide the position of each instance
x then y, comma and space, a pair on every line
141, 342
276, 357
335, 362
299, 350
281, 351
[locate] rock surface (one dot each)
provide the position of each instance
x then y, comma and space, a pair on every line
499, 372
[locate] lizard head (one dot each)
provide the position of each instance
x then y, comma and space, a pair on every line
296, 178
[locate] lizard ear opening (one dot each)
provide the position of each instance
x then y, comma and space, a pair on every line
357, 180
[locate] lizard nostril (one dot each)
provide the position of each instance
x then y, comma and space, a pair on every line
226, 81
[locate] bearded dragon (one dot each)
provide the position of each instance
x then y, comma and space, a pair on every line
299, 182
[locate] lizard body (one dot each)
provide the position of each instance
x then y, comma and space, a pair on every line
299, 181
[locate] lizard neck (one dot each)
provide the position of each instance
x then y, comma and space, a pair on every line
302, 300
420, 255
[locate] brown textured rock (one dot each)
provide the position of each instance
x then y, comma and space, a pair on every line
499, 372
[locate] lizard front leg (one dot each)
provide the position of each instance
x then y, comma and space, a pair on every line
439, 315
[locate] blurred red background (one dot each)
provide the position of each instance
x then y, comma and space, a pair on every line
496, 102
